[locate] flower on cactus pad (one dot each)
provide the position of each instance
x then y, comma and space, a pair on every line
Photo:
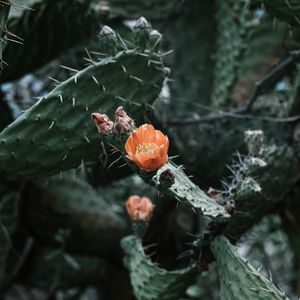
139, 208
103, 123
148, 148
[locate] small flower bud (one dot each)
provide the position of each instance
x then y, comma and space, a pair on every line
166, 178
139, 208
123, 123
108, 40
141, 32
103, 123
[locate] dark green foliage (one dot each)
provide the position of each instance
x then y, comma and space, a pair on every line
70, 202
54, 268
286, 10
191, 66
9, 217
151, 9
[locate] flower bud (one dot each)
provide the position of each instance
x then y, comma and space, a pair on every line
103, 123
123, 123
166, 178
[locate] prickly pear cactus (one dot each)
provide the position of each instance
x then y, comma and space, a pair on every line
149, 281
238, 279
177, 184
232, 18
57, 131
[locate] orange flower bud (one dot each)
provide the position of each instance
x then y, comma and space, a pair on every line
103, 123
148, 148
123, 123
139, 208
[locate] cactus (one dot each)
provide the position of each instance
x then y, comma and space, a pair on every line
57, 127
35, 44
233, 26
251, 188
70, 202
149, 281
238, 279
66, 185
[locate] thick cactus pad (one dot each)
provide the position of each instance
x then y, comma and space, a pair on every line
232, 21
149, 281
57, 131
185, 191
238, 279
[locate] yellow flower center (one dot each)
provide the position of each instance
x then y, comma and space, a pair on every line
146, 148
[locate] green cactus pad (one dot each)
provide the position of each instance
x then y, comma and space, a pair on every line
57, 131
149, 281
238, 279
185, 191
46, 29
232, 32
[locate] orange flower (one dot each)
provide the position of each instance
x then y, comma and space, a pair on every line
139, 208
148, 148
